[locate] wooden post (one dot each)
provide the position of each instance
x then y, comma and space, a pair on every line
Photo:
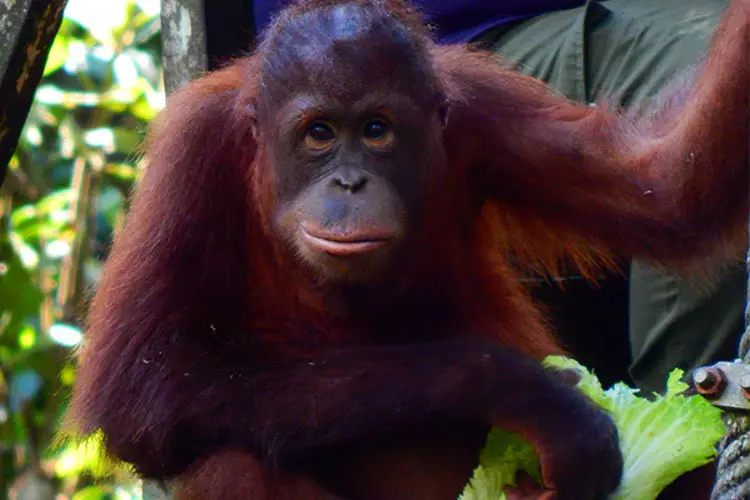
27, 30
183, 42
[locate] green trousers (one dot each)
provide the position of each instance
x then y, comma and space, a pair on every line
625, 51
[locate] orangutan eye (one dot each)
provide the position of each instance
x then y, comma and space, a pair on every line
376, 129
319, 135
377, 134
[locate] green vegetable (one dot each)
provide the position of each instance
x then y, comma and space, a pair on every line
661, 439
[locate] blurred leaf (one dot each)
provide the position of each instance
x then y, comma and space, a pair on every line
144, 110
102, 84
57, 249
77, 52
24, 386
126, 72
110, 205
147, 30
144, 64
33, 485
27, 337
29, 257
48, 219
4, 414
122, 171
150, 7
46, 359
23, 215
65, 335
93, 493
101, 18
33, 135
19, 295
112, 139
87, 455
56, 202
67, 375
58, 54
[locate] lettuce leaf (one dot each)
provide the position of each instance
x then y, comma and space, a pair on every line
661, 439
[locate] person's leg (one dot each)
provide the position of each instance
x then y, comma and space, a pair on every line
625, 51
591, 320
674, 323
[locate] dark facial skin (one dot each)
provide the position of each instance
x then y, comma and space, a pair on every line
353, 148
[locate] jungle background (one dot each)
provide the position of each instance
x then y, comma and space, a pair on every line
62, 201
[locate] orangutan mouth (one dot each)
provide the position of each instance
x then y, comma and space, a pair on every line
345, 244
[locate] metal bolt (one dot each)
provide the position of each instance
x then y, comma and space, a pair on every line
745, 384
710, 381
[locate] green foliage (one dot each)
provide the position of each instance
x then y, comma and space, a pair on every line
62, 200
661, 439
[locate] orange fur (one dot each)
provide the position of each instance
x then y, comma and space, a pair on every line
199, 317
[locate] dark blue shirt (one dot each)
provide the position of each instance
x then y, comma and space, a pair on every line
455, 20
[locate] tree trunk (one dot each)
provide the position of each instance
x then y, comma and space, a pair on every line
27, 30
183, 42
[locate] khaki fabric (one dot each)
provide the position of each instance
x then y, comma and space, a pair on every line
624, 52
